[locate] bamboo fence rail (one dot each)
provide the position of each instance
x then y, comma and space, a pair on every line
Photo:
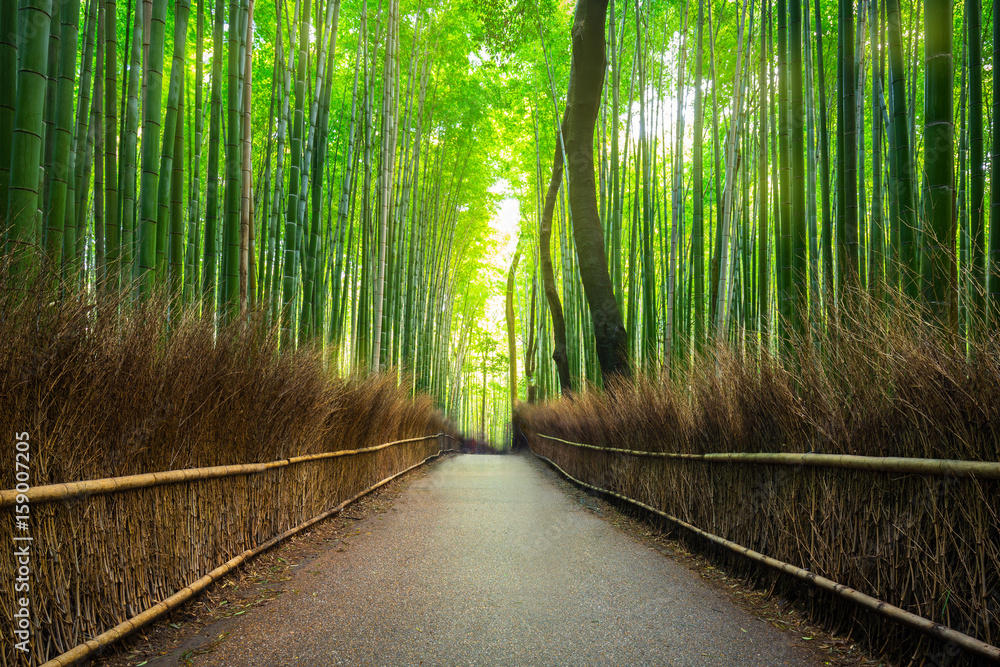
899, 464
65, 491
118, 552
123, 629
924, 533
931, 628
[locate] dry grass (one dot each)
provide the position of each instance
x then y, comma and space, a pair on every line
881, 383
104, 389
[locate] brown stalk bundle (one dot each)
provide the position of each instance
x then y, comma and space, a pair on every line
881, 383
104, 389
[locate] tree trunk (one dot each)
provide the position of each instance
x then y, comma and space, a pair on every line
532, 344
548, 275
582, 105
511, 340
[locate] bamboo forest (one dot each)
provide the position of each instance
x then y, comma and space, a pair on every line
254, 232
375, 178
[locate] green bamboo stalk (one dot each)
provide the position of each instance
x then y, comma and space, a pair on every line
63, 140
191, 272
210, 283
900, 165
247, 225
784, 248
385, 179
76, 203
827, 229
812, 222
763, 251
26, 143
797, 223
876, 266
938, 248
97, 134
231, 226
698, 220
717, 153
977, 177
314, 162
8, 72
294, 170
848, 252
729, 220
129, 143
152, 105
173, 120
49, 121
993, 261
176, 219
112, 229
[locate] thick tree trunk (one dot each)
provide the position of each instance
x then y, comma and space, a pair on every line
582, 105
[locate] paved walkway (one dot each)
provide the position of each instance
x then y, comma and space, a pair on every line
485, 561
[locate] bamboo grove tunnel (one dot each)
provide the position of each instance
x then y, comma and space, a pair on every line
709, 288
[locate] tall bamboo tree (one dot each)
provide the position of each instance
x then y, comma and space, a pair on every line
151, 147
938, 261
26, 143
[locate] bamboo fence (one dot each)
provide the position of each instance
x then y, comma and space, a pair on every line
111, 555
921, 533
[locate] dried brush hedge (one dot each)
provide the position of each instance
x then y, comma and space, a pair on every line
881, 383
108, 388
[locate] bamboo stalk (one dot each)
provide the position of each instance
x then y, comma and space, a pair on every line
919, 623
953, 467
126, 627
64, 491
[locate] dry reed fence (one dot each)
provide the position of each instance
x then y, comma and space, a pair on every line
926, 541
104, 557
112, 389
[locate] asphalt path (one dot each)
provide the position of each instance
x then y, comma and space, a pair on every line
485, 560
